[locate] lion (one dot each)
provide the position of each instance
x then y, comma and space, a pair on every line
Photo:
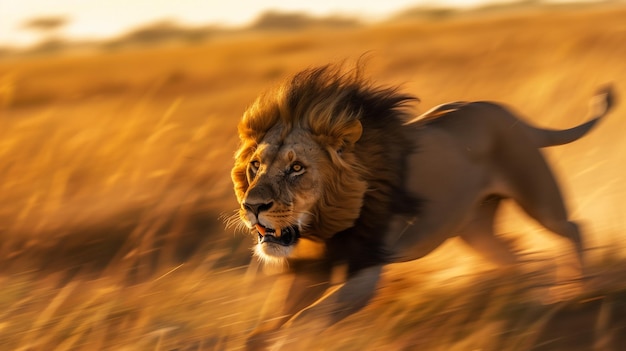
333, 171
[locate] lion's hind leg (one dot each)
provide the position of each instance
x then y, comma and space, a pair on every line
560, 225
535, 189
546, 206
569, 277
478, 234
532, 185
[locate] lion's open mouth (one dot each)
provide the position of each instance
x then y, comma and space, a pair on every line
288, 236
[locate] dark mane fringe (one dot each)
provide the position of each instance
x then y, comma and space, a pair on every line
345, 96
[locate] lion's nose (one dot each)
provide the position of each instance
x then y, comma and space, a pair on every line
257, 208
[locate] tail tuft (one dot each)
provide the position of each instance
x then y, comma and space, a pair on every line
603, 101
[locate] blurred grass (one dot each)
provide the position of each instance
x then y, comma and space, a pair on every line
114, 172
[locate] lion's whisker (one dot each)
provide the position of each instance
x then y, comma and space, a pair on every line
234, 222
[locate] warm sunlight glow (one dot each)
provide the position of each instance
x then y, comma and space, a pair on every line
94, 19
120, 226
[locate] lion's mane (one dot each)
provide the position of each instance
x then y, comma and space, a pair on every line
364, 184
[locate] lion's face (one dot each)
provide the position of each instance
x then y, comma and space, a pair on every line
284, 185
296, 189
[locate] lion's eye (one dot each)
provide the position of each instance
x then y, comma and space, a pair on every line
255, 165
296, 168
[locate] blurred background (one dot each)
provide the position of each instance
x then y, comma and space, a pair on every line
117, 134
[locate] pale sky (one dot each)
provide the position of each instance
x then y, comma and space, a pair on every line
93, 19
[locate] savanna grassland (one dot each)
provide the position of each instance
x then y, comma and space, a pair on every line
114, 186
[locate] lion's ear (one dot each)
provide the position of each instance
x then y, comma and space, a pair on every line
352, 132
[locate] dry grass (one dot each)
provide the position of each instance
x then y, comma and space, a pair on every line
114, 171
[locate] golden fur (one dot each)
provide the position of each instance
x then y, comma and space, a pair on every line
332, 172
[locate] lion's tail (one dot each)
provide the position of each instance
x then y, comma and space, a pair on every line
601, 104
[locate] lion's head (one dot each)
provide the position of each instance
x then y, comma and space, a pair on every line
297, 175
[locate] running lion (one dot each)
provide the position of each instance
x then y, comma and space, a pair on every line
332, 171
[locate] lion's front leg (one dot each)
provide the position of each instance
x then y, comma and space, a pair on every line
336, 305
304, 288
